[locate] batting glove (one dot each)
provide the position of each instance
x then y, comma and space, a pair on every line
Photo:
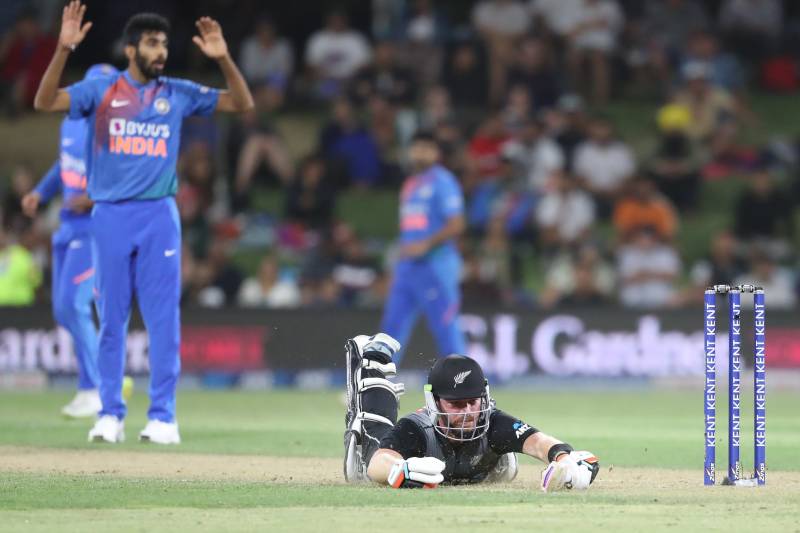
575, 470
416, 472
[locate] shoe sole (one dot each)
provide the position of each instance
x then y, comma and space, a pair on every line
352, 467
147, 440
353, 362
101, 439
73, 416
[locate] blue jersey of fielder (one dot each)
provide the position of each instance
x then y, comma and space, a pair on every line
427, 284
72, 268
68, 174
133, 146
427, 202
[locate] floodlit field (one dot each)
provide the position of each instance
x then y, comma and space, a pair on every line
271, 461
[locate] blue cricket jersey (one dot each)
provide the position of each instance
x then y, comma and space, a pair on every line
133, 144
427, 201
68, 173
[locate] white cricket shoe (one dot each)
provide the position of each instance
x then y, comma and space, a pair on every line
85, 403
108, 428
160, 432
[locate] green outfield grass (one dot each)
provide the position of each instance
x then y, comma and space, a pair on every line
271, 461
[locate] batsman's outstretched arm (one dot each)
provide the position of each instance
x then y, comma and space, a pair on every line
49, 97
389, 468
566, 469
381, 464
539, 445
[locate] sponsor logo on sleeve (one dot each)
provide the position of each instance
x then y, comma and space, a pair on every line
520, 428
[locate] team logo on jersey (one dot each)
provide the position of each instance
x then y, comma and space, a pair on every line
460, 377
162, 106
426, 191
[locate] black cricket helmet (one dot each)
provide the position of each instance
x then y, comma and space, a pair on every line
457, 377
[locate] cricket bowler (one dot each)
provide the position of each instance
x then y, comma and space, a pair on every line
135, 122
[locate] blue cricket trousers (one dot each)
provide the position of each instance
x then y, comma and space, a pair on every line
73, 277
433, 289
137, 251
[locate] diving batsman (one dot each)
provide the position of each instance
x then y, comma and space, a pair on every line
459, 437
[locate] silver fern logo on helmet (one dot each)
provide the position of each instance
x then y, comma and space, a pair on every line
460, 377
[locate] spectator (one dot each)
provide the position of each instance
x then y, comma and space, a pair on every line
764, 216
643, 207
504, 199
355, 274
465, 78
485, 150
196, 169
567, 125
752, 28
384, 78
265, 56
424, 32
478, 289
311, 199
436, 108
593, 40
668, 25
268, 288
711, 107
350, 148
725, 71
334, 54
675, 165
565, 215
24, 56
534, 71
723, 265
218, 277
13, 219
501, 24
603, 163
647, 270
578, 277
778, 282
450, 137
255, 143
494, 258
19, 273
517, 109
536, 156
556, 17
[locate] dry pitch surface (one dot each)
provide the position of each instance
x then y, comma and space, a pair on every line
621, 498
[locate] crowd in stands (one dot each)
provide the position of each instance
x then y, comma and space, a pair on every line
517, 94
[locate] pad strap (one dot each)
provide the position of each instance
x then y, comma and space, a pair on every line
388, 369
370, 383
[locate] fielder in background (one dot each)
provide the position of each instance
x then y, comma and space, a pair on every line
135, 123
427, 275
458, 437
73, 273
